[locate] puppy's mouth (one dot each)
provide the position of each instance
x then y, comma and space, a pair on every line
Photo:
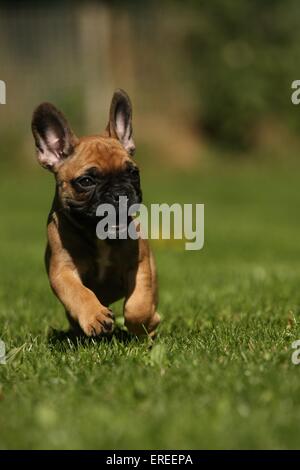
117, 229
87, 216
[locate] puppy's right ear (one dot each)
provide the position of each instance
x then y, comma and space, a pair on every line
53, 136
120, 120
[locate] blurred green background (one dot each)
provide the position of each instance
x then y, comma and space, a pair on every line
214, 123
206, 73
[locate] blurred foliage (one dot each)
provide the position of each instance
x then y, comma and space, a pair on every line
243, 58
218, 70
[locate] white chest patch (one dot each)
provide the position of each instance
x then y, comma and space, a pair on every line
103, 259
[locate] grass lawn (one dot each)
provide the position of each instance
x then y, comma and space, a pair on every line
219, 374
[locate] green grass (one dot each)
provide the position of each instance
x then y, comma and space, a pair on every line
219, 374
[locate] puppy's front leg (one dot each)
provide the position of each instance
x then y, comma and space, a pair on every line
79, 301
140, 304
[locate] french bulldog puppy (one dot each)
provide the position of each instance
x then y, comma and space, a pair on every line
88, 274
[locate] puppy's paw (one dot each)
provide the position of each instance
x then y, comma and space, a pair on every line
99, 323
142, 326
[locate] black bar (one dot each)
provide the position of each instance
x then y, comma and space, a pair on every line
145, 458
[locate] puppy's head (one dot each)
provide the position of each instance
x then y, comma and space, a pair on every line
92, 170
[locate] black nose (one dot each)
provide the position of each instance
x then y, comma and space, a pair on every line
114, 197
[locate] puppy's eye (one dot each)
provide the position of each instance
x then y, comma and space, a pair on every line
133, 171
85, 182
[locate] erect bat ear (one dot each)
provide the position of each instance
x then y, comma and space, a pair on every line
53, 136
120, 120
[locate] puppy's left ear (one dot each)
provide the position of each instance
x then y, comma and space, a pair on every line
54, 139
120, 120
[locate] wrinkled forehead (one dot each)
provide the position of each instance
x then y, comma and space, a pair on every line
101, 152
